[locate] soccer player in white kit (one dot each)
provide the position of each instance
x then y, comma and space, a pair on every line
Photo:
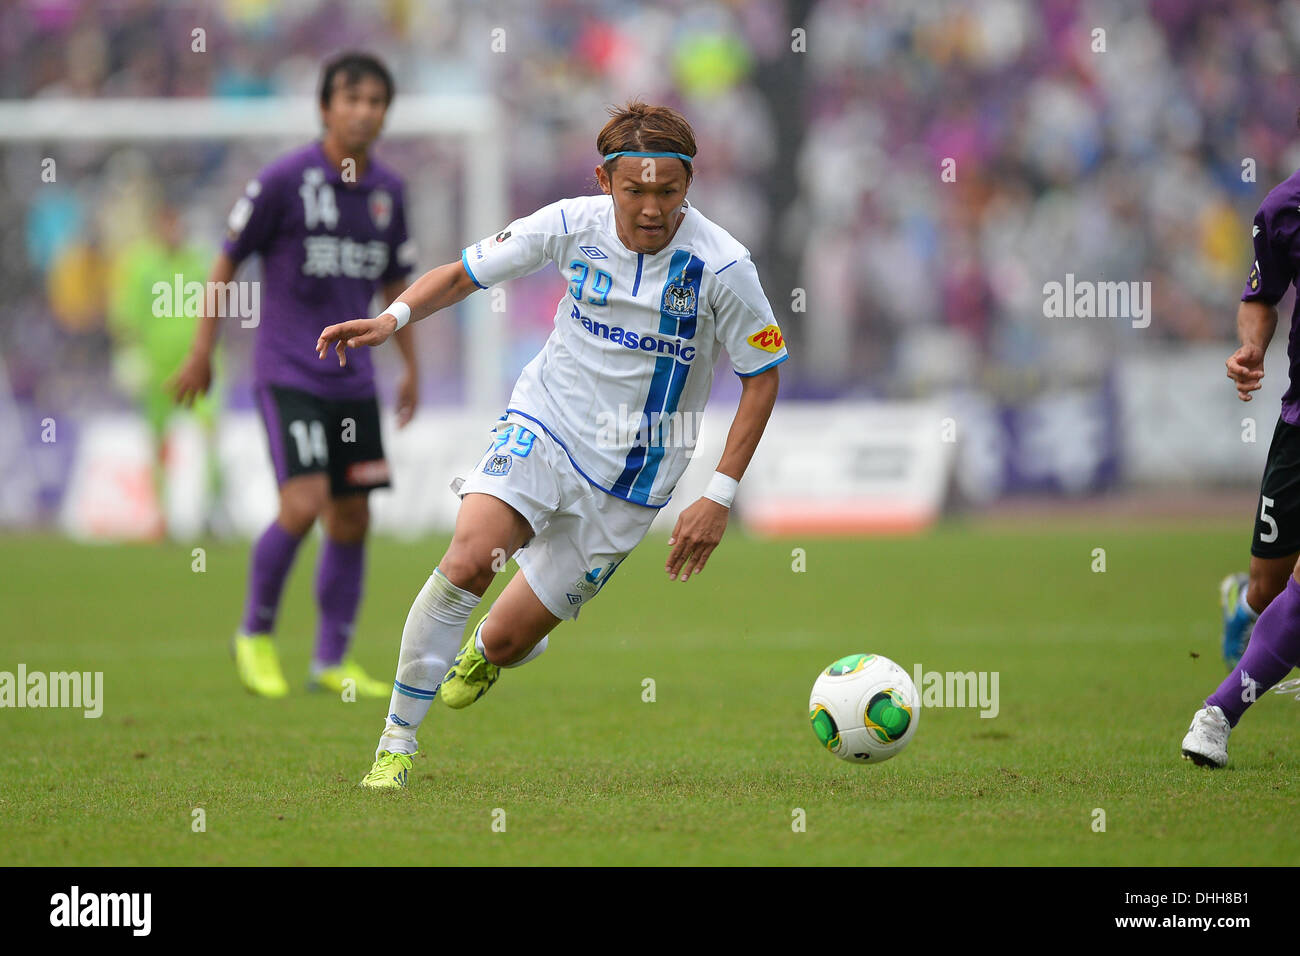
654, 291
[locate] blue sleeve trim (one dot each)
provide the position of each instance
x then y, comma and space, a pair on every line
726, 267
764, 368
565, 223
464, 260
595, 484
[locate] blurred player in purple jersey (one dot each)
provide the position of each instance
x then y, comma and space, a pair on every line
1262, 610
330, 224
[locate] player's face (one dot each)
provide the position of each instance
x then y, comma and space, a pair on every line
648, 193
355, 113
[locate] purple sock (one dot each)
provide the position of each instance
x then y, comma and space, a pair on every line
338, 593
1273, 650
272, 558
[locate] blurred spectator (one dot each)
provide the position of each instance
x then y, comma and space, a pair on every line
824, 128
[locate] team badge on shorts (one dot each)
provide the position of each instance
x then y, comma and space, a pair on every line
497, 465
594, 580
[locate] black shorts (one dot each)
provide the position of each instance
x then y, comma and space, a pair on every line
310, 435
1277, 513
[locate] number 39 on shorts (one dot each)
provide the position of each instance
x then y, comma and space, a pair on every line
519, 439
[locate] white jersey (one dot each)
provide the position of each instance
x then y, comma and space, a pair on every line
625, 375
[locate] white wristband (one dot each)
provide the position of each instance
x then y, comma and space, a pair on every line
400, 311
722, 489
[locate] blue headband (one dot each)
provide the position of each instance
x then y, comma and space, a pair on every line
627, 152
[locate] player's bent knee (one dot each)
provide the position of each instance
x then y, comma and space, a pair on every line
499, 654
302, 501
299, 514
467, 568
507, 639
504, 645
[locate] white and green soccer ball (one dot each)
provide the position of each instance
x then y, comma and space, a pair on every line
864, 708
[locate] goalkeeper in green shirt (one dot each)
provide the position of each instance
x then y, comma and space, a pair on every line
152, 335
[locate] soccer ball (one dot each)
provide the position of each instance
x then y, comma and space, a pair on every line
864, 708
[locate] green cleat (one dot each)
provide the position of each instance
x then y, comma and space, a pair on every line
471, 675
259, 665
389, 772
332, 679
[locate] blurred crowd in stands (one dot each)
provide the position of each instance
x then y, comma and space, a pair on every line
1109, 140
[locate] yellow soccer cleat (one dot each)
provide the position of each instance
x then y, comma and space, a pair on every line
389, 772
259, 665
333, 679
470, 677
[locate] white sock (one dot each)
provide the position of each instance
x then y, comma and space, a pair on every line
531, 656
1245, 606
432, 636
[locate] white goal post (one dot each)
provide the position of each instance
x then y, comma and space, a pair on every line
474, 120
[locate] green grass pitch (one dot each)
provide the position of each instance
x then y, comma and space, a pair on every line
1099, 676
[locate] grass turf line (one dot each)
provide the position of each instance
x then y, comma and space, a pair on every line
1098, 680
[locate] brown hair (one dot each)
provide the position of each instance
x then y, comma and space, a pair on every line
644, 128
352, 67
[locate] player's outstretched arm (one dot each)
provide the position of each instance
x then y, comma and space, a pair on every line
436, 289
700, 527
194, 376
1256, 322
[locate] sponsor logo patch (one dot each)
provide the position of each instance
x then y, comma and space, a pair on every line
769, 339
592, 252
593, 580
367, 472
573, 598
497, 465
631, 339
1254, 277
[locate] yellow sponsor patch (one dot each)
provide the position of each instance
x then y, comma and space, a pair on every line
769, 339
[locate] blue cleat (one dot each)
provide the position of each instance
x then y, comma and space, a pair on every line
1237, 624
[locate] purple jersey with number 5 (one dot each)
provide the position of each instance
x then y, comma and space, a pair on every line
1277, 260
326, 246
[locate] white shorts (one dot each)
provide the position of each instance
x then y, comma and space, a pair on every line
581, 533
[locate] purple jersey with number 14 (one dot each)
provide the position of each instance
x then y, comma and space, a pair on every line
326, 246
1277, 261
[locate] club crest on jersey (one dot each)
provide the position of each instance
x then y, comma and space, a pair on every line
679, 300
381, 208
497, 465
